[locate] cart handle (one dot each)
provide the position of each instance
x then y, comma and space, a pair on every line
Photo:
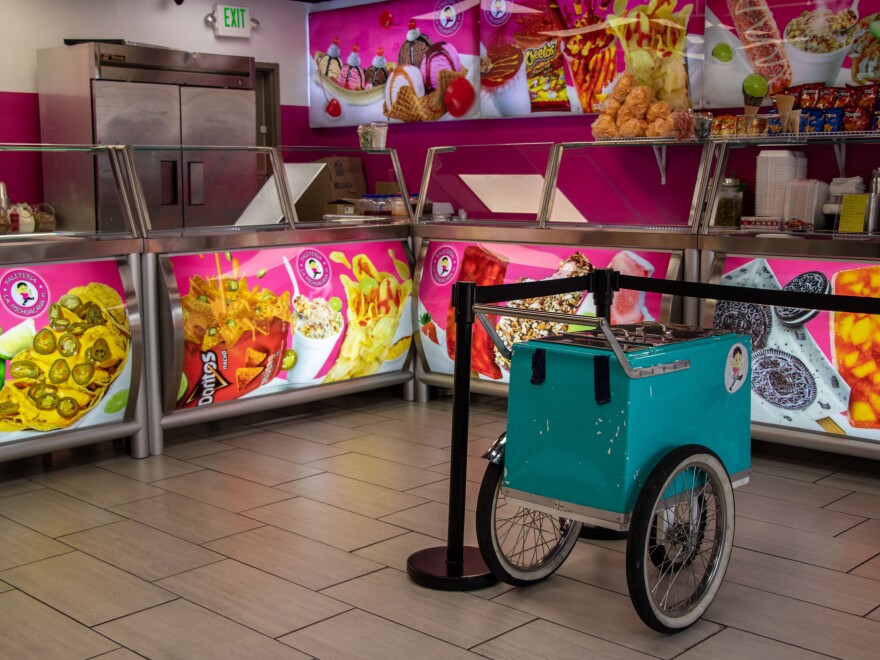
632, 372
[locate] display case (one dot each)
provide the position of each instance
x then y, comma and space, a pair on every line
813, 383
71, 346
509, 213
258, 308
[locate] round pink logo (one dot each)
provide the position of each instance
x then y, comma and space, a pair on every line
496, 12
447, 18
24, 293
314, 268
444, 265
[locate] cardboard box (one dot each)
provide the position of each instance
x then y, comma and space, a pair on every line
387, 188
341, 207
341, 178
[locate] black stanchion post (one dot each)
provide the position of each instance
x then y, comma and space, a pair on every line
456, 567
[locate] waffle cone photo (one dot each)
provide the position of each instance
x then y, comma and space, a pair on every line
436, 99
408, 107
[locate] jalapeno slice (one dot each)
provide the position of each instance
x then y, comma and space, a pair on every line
232, 285
70, 301
83, 374
48, 401
68, 407
68, 345
55, 311
8, 408
39, 390
100, 350
91, 313
59, 325
78, 328
24, 369
44, 342
59, 372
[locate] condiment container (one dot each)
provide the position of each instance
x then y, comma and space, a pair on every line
728, 208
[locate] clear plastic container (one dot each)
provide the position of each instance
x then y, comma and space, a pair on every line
728, 207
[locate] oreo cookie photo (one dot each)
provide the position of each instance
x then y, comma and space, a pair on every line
744, 319
782, 380
811, 282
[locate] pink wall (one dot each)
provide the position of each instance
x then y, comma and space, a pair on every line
20, 122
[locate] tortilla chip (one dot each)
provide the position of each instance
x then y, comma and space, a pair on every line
245, 375
253, 358
401, 347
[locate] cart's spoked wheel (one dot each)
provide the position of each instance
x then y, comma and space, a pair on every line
680, 539
519, 545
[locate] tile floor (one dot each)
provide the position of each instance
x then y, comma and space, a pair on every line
286, 536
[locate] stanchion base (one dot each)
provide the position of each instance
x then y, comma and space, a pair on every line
428, 568
601, 533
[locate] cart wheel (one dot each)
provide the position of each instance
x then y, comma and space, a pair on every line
680, 539
520, 545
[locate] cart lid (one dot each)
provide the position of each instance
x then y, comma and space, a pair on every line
636, 336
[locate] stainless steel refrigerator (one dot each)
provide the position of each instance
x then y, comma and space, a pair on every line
108, 93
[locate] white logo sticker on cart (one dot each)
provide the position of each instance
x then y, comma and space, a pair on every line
736, 368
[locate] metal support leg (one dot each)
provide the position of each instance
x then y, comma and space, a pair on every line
140, 441
151, 346
690, 306
422, 390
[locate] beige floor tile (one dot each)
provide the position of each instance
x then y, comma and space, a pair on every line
222, 490
53, 513
357, 634
789, 469
732, 643
85, 588
183, 631
259, 468
870, 569
350, 419
195, 448
491, 429
795, 622
858, 504
459, 618
188, 519
602, 614
478, 447
862, 482
141, 550
33, 630
21, 545
148, 469
792, 490
396, 450
789, 543
441, 419
431, 519
325, 523
352, 495
293, 557
98, 487
15, 486
252, 597
5, 587
322, 432
395, 551
285, 446
597, 566
439, 492
377, 471
542, 640
119, 654
425, 435
791, 514
867, 533
820, 586
476, 468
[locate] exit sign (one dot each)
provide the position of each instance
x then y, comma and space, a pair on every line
232, 21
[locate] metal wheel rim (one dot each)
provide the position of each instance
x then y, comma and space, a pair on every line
693, 548
525, 533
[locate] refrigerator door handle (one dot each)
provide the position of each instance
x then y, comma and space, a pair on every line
196, 175
168, 182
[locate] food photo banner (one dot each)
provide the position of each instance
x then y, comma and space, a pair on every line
65, 348
811, 370
257, 322
489, 264
834, 43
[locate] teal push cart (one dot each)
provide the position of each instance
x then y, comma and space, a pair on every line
641, 428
